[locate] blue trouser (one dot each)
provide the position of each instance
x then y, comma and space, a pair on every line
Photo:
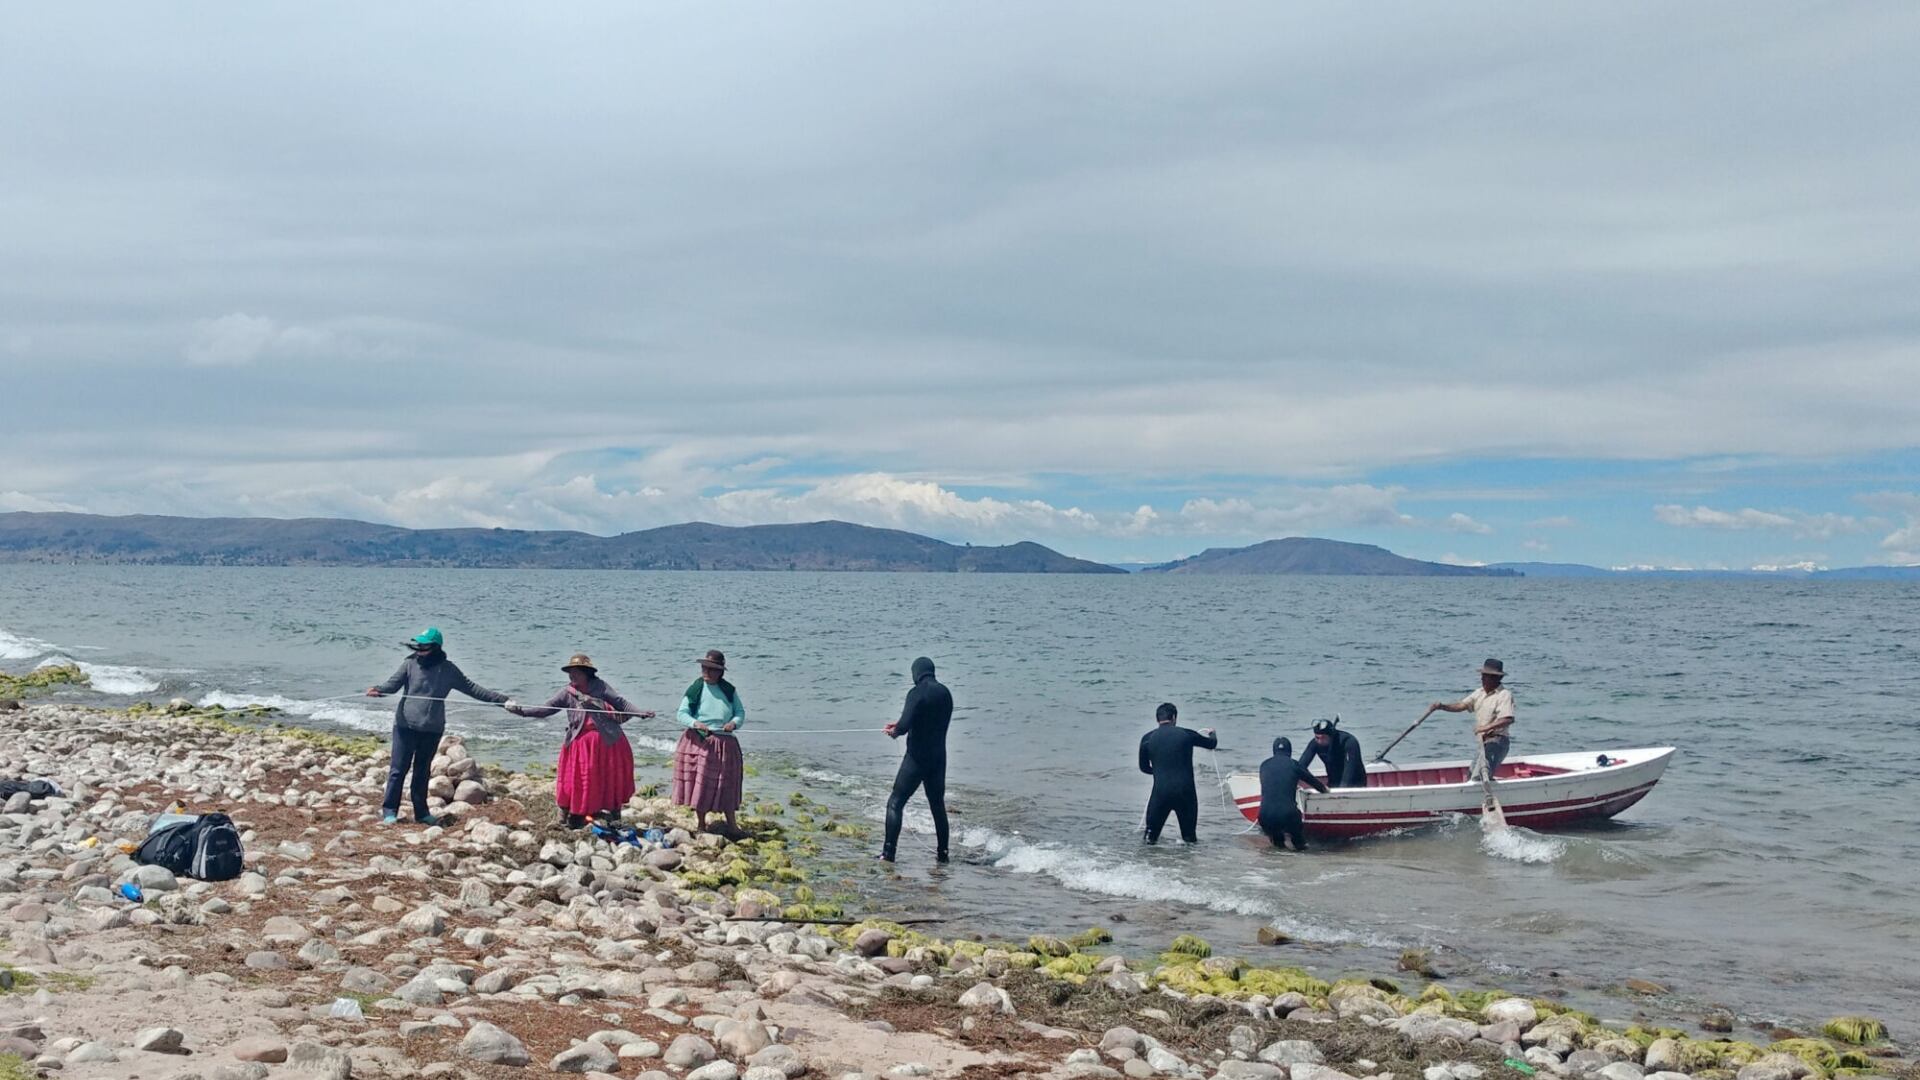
1496, 751
412, 753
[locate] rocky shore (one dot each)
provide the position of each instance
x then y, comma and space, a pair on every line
501, 945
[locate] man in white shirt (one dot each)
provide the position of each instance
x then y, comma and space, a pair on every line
1492, 708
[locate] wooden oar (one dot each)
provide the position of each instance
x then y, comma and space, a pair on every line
1382, 755
1491, 814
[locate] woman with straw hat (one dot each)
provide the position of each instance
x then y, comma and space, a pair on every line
595, 775
707, 768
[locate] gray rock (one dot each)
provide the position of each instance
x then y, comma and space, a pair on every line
1501, 1032
715, 1070
784, 1058
317, 952
160, 1040
1292, 1052
690, 1051
428, 921
281, 930
763, 1072
361, 980
1426, 1027
1518, 1010
325, 1062
1775, 1067
1582, 1062
1137, 1068
872, 943
1165, 1061
422, 990
742, 1038
242, 1070
87, 1053
1231, 1069
1621, 1070
1663, 1054
259, 1048
486, 1043
153, 879
266, 960
640, 1051
1316, 1072
585, 1057
497, 981
985, 995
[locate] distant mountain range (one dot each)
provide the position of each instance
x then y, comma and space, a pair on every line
1307, 555
821, 545
1844, 573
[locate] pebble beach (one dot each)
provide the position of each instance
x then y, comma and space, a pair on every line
502, 945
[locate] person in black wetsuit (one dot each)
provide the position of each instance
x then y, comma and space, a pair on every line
1341, 752
1166, 754
923, 720
1280, 780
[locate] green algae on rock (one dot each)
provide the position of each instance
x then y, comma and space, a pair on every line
42, 679
1858, 1030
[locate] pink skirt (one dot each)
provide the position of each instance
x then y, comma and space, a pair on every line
707, 772
595, 774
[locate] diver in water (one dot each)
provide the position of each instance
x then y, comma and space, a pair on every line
1341, 753
1166, 754
923, 720
1280, 780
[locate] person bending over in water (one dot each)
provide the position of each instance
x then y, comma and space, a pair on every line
1280, 780
1341, 752
1166, 754
923, 720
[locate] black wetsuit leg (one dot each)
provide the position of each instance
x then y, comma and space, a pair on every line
1158, 807
905, 783
1187, 809
934, 778
1279, 827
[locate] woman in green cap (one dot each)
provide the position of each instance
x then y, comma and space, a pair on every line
420, 717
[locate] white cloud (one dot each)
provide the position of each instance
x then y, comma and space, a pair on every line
1810, 526
1458, 522
1559, 521
1536, 545
1452, 559
231, 340
20, 500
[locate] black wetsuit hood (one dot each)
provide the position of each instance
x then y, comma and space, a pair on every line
1283, 747
922, 668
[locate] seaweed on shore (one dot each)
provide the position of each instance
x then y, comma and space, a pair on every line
41, 680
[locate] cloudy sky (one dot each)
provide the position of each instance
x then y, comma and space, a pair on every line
1620, 284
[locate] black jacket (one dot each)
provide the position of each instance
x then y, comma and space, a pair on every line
1166, 754
1345, 765
925, 716
1280, 780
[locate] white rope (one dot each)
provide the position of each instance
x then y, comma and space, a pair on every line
467, 703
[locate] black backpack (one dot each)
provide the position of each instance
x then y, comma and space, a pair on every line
207, 848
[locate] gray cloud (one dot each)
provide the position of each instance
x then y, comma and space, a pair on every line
449, 264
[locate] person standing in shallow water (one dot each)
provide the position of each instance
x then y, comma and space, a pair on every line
923, 720
595, 774
1492, 708
1280, 780
1166, 754
420, 718
708, 771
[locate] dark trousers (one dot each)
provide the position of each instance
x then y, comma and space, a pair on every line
1496, 749
412, 753
913, 775
1283, 826
1183, 805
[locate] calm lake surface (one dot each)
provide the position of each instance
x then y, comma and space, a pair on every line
1773, 870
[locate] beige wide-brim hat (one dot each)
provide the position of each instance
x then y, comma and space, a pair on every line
580, 660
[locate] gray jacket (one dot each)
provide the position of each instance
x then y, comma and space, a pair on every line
427, 684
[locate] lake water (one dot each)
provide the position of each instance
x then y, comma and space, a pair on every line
1773, 870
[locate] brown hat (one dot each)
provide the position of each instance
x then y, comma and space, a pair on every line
580, 660
714, 659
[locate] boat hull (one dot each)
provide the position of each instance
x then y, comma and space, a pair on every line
1540, 791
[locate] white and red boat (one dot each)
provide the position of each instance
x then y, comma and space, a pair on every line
1539, 791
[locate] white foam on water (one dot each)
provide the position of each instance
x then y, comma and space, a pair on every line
15, 647
331, 711
1521, 845
109, 678
652, 742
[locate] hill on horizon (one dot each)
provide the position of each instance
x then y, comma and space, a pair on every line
1311, 555
820, 545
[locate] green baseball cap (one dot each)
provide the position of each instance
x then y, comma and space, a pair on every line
429, 636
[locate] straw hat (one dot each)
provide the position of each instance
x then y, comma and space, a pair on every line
580, 660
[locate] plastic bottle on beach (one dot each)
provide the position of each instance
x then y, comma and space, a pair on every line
132, 892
